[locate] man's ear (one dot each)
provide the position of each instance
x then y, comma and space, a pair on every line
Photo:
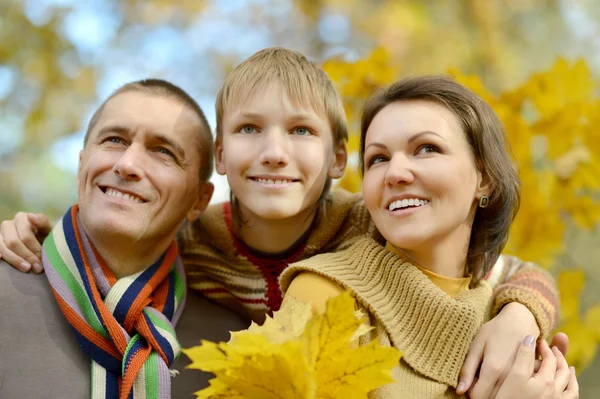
219, 157
204, 195
338, 163
79, 168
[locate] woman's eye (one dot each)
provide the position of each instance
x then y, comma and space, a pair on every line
427, 148
248, 129
301, 131
376, 159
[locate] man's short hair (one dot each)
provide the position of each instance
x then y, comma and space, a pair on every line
161, 87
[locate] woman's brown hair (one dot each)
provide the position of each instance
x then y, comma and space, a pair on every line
490, 148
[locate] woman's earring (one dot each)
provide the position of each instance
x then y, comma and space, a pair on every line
484, 201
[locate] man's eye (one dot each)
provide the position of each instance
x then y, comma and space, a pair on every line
163, 150
248, 129
301, 131
427, 148
116, 140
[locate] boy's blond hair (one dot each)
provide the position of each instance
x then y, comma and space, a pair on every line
303, 81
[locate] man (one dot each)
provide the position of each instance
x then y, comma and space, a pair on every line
103, 319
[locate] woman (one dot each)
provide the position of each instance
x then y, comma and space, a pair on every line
441, 188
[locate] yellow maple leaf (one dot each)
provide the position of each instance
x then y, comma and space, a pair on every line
297, 355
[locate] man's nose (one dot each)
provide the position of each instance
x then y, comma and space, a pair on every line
130, 164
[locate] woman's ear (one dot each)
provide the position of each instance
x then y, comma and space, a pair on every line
485, 186
338, 163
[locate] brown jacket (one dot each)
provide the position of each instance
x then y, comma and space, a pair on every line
40, 358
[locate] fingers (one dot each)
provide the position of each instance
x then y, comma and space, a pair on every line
8, 255
41, 222
563, 373
21, 248
561, 341
470, 366
548, 367
522, 367
572, 391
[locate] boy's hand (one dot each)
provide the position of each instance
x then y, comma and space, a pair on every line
21, 238
494, 349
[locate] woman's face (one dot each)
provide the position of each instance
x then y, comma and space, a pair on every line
421, 185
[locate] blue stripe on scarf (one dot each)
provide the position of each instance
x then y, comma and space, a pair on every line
71, 239
106, 360
164, 344
169, 308
112, 385
134, 289
138, 345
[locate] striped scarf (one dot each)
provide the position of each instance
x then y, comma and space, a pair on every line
126, 325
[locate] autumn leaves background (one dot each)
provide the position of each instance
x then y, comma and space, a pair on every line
536, 61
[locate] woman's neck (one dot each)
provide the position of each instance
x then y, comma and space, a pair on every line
272, 235
446, 257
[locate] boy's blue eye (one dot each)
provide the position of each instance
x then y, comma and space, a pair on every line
301, 131
248, 129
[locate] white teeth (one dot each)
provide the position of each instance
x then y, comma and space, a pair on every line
119, 194
399, 204
269, 181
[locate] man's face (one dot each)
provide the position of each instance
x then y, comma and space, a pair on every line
138, 174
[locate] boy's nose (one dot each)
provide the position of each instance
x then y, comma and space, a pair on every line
274, 152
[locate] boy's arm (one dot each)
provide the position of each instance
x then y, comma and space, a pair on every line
528, 284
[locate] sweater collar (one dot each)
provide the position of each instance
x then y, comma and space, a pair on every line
433, 330
329, 221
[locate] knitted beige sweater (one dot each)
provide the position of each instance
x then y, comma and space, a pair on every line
408, 311
219, 266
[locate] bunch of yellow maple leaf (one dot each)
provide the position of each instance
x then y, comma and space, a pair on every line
297, 355
552, 122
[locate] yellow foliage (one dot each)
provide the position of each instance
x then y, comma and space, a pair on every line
297, 355
551, 123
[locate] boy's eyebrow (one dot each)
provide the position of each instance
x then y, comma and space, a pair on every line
295, 117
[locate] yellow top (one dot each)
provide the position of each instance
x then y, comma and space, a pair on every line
450, 285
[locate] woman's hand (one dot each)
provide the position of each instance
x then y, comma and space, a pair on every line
493, 350
21, 238
554, 379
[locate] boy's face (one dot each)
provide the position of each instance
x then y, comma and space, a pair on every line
138, 173
277, 155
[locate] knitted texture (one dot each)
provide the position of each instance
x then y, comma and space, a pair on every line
433, 330
223, 270
124, 325
219, 267
527, 283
